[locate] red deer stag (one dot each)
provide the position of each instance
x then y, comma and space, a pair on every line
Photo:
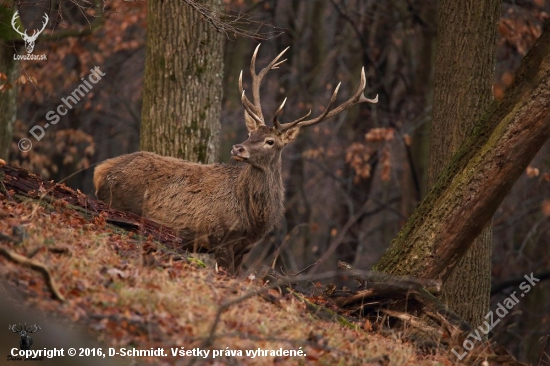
223, 208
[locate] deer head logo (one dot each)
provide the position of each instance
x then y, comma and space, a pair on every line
29, 40
25, 342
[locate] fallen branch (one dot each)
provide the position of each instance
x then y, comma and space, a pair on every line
19, 259
414, 321
365, 277
404, 295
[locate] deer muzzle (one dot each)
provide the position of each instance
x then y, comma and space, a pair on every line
240, 153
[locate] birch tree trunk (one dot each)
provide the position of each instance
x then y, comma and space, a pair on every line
182, 83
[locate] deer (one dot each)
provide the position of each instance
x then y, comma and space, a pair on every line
29, 40
222, 208
25, 343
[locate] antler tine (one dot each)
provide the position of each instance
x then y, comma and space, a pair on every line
253, 60
241, 82
361, 90
275, 63
276, 122
33, 329
46, 18
318, 119
357, 97
286, 126
15, 26
14, 329
249, 107
243, 95
257, 78
276, 66
36, 31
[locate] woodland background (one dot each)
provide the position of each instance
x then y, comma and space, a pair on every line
351, 182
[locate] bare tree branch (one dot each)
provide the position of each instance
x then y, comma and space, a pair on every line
234, 24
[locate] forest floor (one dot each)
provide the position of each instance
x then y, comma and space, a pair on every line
129, 291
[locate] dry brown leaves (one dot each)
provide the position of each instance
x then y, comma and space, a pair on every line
167, 302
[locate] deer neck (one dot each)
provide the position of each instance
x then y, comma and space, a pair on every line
261, 191
261, 182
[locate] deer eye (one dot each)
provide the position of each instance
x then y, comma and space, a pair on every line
270, 142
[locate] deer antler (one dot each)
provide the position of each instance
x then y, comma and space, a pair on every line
15, 26
32, 329
14, 329
36, 32
255, 109
357, 98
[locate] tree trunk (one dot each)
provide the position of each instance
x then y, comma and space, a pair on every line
183, 82
422, 57
479, 175
10, 67
465, 59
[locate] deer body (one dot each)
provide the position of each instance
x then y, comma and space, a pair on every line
223, 208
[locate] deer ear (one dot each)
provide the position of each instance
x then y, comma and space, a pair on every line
290, 135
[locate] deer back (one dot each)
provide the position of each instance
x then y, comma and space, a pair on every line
217, 201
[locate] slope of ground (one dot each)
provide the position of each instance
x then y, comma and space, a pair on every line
131, 292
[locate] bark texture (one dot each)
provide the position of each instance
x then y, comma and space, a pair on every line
183, 82
465, 59
10, 67
479, 175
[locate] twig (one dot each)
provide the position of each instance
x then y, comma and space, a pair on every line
234, 24
285, 242
17, 258
308, 267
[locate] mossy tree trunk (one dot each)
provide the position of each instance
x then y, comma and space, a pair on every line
478, 177
183, 82
465, 59
9, 67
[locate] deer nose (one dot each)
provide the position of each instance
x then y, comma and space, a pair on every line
240, 151
239, 148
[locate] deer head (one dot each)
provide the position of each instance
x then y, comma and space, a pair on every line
25, 342
264, 143
222, 208
29, 40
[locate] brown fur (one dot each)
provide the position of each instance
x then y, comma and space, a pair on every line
225, 208
221, 207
